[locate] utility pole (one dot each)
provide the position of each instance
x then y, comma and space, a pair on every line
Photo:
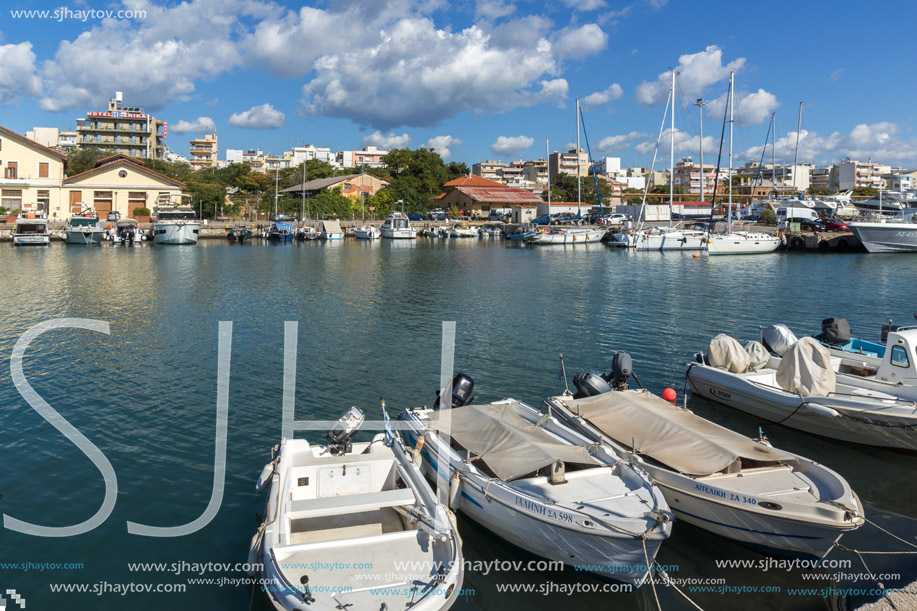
700, 103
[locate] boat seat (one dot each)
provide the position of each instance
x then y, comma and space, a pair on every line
353, 503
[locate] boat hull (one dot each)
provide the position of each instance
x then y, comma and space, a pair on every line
886, 237
176, 233
742, 244
834, 417
398, 234
567, 237
664, 240
31, 239
80, 236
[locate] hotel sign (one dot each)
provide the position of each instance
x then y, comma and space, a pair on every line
117, 115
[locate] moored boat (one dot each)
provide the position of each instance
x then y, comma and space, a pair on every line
889, 235
175, 224
367, 232
397, 226
31, 229
280, 232
84, 228
566, 236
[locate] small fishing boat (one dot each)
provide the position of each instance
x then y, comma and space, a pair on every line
126, 232
354, 526
84, 228
491, 230
540, 485
461, 230
31, 229
239, 234
367, 232
718, 480
280, 232
566, 235
397, 226
801, 388
308, 233
331, 230
521, 233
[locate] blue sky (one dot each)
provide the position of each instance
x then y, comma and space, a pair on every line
475, 79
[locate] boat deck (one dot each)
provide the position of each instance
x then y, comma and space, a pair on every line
595, 490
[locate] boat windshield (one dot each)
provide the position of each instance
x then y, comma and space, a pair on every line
177, 215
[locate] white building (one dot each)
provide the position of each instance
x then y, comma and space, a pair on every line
233, 155
853, 174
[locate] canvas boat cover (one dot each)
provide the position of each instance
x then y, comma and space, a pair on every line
778, 338
288, 227
332, 227
758, 354
510, 445
806, 369
726, 353
675, 437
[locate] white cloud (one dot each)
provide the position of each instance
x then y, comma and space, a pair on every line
391, 141
258, 117
836, 74
751, 108
581, 42
584, 5
511, 145
198, 126
153, 60
443, 144
657, 4
493, 9
697, 72
611, 144
880, 142
17, 78
685, 144
603, 97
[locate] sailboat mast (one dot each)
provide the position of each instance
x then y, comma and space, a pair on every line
579, 195
672, 152
796, 155
774, 152
547, 155
700, 103
732, 96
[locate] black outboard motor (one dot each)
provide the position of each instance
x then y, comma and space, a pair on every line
589, 385
890, 328
622, 367
835, 331
462, 385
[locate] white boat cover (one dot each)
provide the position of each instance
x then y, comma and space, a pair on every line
727, 353
758, 354
779, 338
806, 369
675, 437
510, 445
332, 227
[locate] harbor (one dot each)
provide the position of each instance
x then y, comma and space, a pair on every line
148, 390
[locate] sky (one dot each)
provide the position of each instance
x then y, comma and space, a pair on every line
475, 79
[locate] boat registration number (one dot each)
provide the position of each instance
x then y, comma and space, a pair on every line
733, 497
548, 512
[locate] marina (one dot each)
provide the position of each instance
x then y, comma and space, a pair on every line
372, 310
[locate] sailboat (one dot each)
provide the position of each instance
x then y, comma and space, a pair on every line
665, 238
738, 242
570, 235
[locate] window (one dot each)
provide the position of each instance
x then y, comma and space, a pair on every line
43, 169
899, 357
11, 198
12, 169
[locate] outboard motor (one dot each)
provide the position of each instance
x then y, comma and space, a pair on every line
835, 331
622, 367
462, 385
589, 385
890, 328
778, 339
341, 434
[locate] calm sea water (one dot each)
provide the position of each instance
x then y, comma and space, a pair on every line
370, 319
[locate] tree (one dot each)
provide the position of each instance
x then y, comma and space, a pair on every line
564, 189
208, 197
865, 192
416, 176
83, 159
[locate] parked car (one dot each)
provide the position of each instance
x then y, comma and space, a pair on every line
499, 215
609, 219
564, 218
438, 214
416, 216
542, 220
114, 216
810, 224
836, 225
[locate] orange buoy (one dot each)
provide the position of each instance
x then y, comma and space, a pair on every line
695, 255
669, 394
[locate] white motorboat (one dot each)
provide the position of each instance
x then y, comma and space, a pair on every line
433, 232
367, 232
566, 235
665, 238
175, 223
742, 243
894, 235
126, 232
31, 229
713, 478
540, 485
889, 204
354, 526
331, 230
461, 231
491, 230
802, 390
397, 226
84, 228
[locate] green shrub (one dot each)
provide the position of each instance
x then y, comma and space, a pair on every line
140, 212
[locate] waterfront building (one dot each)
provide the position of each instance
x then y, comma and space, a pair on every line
536, 172
118, 183
852, 174
351, 185
489, 169
566, 163
31, 175
823, 179
786, 177
204, 152
123, 129
478, 195
689, 175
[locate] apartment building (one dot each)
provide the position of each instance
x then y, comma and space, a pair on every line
204, 152
370, 157
123, 129
794, 177
688, 176
31, 175
536, 172
853, 174
823, 179
568, 162
490, 169
53, 138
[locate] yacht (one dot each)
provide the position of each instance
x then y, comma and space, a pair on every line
84, 228
175, 223
894, 235
31, 229
397, 226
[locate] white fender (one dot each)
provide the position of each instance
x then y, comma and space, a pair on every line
821, 410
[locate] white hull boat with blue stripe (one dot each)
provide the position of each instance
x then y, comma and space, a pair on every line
719, 480
543, 487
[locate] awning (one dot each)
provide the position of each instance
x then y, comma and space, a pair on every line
332, 227
288, 227
510, 445
675, 437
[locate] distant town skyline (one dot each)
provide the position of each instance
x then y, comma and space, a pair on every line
474, 80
